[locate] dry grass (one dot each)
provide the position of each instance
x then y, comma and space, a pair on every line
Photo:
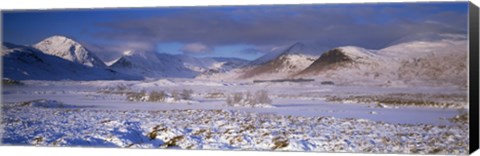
9, 82
402, 99
279, 142
144, 96
215, 95
173, 142
248, 99
462, 117
118, 90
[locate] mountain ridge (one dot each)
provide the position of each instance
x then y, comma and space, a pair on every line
436, 62
433, 61
28, 63
157, 65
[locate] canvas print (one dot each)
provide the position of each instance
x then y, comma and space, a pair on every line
363, 78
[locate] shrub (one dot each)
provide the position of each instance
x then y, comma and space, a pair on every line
235, 99
215, 95
247, 99
262, 97
279, 142
176, 96
119, 89
122, 87
229, 101
7, 82
134, 96
157, 96
462, 117
186, 94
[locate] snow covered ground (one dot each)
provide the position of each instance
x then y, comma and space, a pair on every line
300, 118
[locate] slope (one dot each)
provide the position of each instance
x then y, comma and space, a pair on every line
69, 49
27, 63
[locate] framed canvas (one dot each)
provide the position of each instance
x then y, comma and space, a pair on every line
388, 78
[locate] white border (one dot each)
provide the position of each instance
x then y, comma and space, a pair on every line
88, 4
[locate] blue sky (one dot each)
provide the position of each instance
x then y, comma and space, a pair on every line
235, 31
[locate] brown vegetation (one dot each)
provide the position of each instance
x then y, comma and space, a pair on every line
402, 99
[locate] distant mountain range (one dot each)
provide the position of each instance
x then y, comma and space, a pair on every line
151, 64
29, 63
440, 60
437, 60
62, 58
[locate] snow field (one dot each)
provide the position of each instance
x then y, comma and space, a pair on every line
221, 129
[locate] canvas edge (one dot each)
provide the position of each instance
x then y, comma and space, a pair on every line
473, 76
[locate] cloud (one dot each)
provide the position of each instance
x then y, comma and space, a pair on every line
253, 51
260, 50
111, 51
370, 26
196, 48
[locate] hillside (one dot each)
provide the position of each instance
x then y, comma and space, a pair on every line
27, 63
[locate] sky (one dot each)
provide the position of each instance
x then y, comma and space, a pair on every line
246, 32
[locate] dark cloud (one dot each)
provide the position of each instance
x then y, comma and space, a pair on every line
369, 26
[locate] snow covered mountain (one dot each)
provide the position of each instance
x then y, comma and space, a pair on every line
348, 64
434, 63
274, 65
292, 60
297, 48
154, 65
222, 65
211, 64
28, 63
150, 64
440, 60
69, 49
343, 57
59, 57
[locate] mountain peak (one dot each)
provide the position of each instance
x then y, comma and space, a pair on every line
353, 51
298, 44
428, 37
304, 49
340, 56
297, 47
128, 53
147, 55
59, 39
68, 49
